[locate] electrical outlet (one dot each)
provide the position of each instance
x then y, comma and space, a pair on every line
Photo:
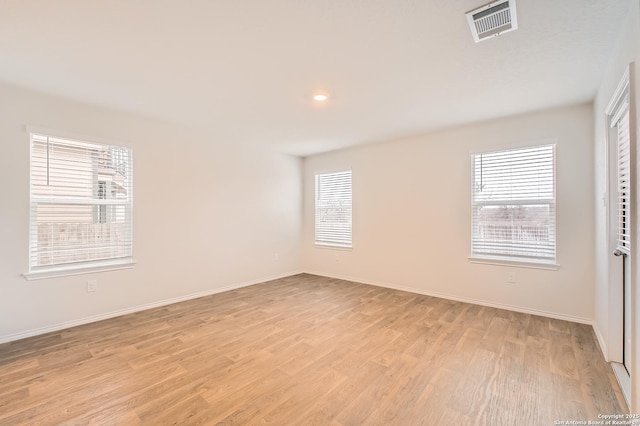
511, 277
276, 257
92, 285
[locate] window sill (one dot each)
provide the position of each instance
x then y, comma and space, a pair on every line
514, 263
332, 247
65, 271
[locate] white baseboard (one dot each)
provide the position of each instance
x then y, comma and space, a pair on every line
524, 310
138, 308
624, 380
601, 341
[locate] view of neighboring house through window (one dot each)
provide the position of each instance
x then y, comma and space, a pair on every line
514, 205
81, 202
333, 218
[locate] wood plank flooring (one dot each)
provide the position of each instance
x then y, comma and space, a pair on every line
308, 350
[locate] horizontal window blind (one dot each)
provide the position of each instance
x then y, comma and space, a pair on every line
81, 202
620, 122
333, 218
513, 204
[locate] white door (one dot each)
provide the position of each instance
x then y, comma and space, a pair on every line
619, 213
627, 316
626, 308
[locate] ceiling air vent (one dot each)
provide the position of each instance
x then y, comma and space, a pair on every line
493, 19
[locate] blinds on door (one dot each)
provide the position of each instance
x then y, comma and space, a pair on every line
620, 122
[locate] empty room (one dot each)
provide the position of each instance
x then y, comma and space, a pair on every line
383, 212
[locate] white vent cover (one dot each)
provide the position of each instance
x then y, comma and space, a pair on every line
493, 19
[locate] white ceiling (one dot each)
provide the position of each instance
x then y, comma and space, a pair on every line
246, 69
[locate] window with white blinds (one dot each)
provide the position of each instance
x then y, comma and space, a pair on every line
333, 209
620, 123
81, 203
514, 205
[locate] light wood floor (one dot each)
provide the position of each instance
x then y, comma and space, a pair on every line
310, 350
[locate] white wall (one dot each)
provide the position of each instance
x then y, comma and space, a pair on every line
412, 215
607, 308
207, 215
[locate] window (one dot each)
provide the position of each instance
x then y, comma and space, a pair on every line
514, 205
81, 201
333, 209
620, 124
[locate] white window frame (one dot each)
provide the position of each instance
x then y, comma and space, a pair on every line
103, 263
325, 237
506, 258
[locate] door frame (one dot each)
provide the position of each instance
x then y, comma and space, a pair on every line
615, 346
614, 341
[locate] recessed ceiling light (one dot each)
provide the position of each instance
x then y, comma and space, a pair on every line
320, 97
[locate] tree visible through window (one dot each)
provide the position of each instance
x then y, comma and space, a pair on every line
513, 205
81, 200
